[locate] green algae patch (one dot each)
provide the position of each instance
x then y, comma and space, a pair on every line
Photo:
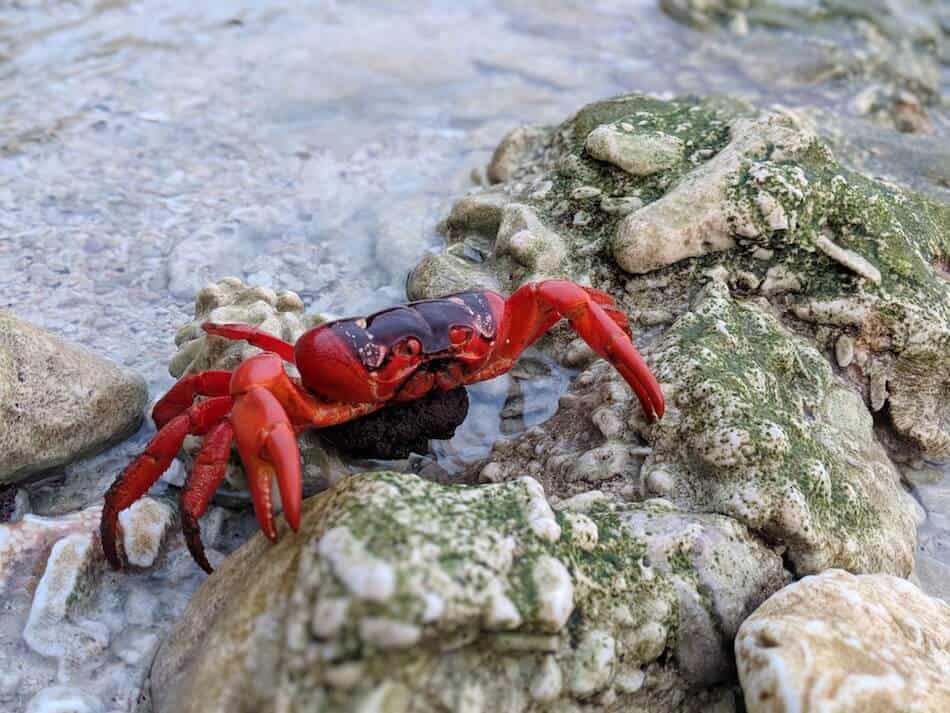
763, 431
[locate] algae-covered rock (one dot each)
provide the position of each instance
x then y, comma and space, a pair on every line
402, 595
757, 427
763, 431
757, 201
230, 300
58, 401
836, 642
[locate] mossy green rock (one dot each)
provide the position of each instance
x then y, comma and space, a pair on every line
403, 595
760, 429
756, 200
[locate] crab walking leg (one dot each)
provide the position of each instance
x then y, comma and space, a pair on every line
538, 306
180, 396
254, 336
142, 473
211, 465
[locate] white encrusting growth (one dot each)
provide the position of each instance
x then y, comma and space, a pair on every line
144, 526
538, 511
364, 575
555, 592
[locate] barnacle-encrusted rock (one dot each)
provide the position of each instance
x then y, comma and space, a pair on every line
58, 401
399, 594
763, 431
839, 642
755, 200
280, 314
230, 300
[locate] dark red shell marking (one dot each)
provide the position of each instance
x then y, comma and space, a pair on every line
429, 321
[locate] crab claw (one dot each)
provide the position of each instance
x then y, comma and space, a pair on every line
268, 447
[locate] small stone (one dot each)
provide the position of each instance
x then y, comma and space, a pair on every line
389, 633
620, 205
328, 616
641, 153
345, 675
480, 212
603, 463
844, 351
539, 513
583, 502
547, 681
501, 613
555, 592
365, 576
522, 235
848, 258
593, 664
144, 527
73, 562
660, 481
584, 531
511, 151
491, 473
585, 192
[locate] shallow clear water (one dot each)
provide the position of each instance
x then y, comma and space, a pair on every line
147, 147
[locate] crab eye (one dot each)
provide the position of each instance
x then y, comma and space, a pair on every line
460, 335
407, 348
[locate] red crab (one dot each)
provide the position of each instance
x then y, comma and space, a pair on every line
350, 368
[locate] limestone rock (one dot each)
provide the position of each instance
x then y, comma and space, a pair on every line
695, 217
280, 314
397, 589
58, 401
762, 431
756, 201
839, 642
638, 153
75, 632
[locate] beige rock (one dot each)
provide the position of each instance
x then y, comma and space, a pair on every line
58, 401
694, 217
836, 643
639, 153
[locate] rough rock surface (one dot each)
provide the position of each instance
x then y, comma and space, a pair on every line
280, 314
76, 633
399, 594
839, 642
58, 401
756, 201
760, 429
757, 428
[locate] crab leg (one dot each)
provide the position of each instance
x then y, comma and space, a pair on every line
269, 408
180, 396
142, 473
254, 336
211, 465
536, 307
